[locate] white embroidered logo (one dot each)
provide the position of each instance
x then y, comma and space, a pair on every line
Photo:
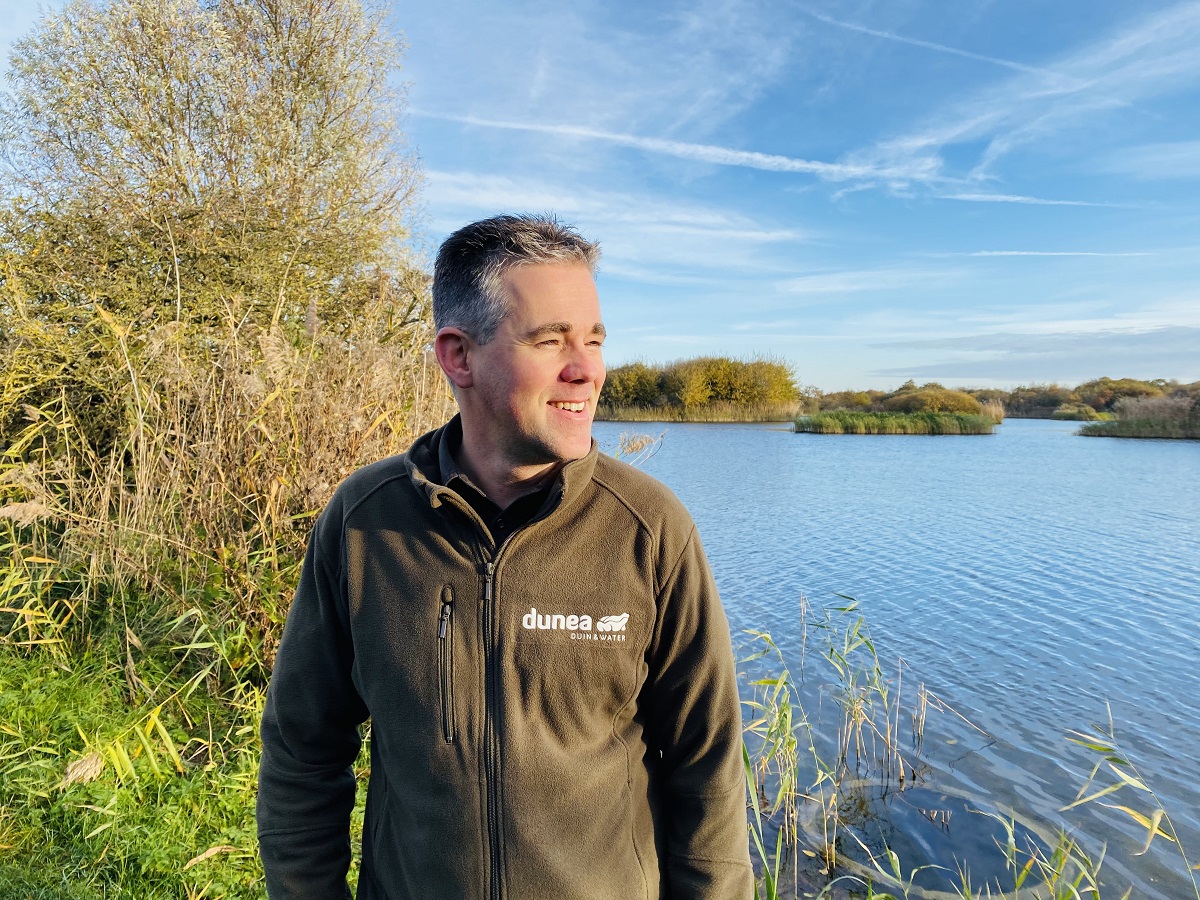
580, 626
612, 623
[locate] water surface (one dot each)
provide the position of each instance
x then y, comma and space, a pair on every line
1029, 578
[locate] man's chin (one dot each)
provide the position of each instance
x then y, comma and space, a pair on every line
560, 451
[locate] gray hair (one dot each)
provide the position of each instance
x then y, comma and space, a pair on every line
467, 288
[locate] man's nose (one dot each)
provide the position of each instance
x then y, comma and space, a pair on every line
585, 364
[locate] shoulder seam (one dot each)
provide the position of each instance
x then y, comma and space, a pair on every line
367, 496
621, 499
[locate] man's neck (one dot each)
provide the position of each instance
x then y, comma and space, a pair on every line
502, 482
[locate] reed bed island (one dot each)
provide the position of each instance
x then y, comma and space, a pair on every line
844, 422
1173, 418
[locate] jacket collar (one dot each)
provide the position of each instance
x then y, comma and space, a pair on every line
430, 464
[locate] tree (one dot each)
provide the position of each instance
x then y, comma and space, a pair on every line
634, 384
178, 158
208, 311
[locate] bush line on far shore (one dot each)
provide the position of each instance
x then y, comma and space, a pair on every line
713, 411
845, 422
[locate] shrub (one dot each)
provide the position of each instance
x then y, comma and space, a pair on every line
635, 384
1038, 401
932, 398
1104, 394
708, 388
1075, 412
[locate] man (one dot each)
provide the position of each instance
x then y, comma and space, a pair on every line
531, 627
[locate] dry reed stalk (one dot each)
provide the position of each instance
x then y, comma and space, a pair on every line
994, 410
211, 450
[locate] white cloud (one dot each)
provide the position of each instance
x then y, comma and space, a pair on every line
707, 153
1018, 198
1068, 356
644, 237
1057, 253
1151, 58
941, 48
1176, 159
672, 67
867, 280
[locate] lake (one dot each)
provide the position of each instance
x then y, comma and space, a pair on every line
1031, 579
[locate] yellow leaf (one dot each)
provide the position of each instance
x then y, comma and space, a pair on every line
108, 319
1152, 830
207, 854
1149, 823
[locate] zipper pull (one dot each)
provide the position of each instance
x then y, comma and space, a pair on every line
447, 608
489, 570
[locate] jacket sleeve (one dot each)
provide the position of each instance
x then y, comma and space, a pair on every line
695, 721
310, 736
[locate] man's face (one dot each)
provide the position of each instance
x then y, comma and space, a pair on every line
539, 378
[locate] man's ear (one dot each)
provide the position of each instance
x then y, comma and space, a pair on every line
452, 346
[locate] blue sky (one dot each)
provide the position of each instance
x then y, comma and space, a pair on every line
981, 193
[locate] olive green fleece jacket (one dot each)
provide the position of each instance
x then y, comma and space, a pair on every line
553, 719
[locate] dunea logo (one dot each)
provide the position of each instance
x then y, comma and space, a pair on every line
580, 627
612, 623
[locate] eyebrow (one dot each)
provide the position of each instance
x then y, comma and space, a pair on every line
560, 328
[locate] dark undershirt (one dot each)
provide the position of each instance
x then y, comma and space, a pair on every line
500, 522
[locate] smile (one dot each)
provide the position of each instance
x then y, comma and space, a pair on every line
573, 407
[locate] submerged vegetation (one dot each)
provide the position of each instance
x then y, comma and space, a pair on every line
894, 423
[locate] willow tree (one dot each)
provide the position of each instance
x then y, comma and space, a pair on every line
186, 157
208, 308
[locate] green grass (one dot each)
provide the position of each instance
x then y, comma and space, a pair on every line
846, 422
111, 791
1144, 428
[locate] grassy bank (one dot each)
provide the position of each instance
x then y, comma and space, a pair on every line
1172, 418
1143, 428
845, 422
128, 761
709, 412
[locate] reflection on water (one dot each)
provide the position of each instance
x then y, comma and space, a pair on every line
1028, 578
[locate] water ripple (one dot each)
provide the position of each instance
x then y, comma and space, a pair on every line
1029, 578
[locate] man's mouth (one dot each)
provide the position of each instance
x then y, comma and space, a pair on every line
571, 407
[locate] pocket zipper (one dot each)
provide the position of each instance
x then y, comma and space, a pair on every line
446, 663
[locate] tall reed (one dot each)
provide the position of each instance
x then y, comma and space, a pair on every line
196, 477
1151, 417
814, 784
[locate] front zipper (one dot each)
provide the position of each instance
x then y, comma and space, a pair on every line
491, 741
492, 710
446, 662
